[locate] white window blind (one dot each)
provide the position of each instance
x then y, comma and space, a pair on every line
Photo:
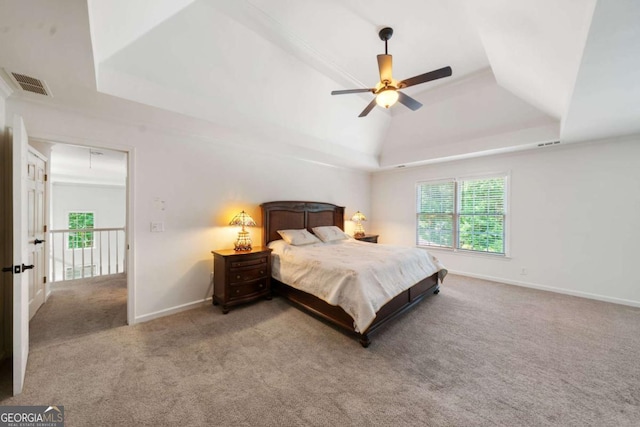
481, 215
467, 214
436, 209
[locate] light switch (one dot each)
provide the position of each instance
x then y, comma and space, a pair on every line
157, 227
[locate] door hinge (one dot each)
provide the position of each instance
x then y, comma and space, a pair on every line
44, 280
46, 177
45, 228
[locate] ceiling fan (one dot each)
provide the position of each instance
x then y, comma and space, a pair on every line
387, 90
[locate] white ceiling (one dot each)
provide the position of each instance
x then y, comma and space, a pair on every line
260, 72
84, 165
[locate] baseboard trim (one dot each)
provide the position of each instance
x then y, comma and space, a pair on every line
171, 310
588, 295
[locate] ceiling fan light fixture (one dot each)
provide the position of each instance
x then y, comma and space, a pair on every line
386, 90
387, 97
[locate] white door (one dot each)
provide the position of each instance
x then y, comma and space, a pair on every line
35, 230
20, 256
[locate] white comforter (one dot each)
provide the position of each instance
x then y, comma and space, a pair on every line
360, 277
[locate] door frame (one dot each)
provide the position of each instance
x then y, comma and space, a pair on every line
130, 197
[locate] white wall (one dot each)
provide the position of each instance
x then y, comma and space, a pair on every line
108, 204
203, 183
574, 212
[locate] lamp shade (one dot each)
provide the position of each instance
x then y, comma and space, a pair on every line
358, 217
243, 219
244, 239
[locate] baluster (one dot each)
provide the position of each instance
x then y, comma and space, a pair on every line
93, 242
53, 256
101, 232
82, 244
73, 260
117, 251
109, 250
63, 256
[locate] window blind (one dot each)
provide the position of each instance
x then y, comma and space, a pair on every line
481, 215
467, 214
435, 216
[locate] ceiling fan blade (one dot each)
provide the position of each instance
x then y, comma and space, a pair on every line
368, 109
408, 101
385, 64
426, 77
343, 92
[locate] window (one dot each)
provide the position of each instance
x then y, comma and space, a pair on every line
467, 214
80, 221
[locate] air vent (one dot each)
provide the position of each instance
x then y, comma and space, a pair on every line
31, 84
546, 144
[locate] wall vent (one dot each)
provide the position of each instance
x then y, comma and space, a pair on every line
546, 144
71, 273
31, 84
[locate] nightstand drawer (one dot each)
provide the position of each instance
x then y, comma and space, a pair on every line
246, 289
258, 261
238, 275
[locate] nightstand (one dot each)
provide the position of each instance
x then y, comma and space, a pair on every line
371, 238
240, 277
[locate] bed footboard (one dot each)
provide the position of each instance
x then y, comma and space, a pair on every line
339, 318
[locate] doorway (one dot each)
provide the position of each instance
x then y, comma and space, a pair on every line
87, 244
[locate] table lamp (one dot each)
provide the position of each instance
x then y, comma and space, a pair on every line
244, 240
358, 217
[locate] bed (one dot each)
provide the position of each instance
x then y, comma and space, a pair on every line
287, 215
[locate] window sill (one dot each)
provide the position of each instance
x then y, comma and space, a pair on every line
466, 253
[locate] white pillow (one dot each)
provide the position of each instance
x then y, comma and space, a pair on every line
298, 237
329, 233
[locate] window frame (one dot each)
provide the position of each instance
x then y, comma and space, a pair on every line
456, 213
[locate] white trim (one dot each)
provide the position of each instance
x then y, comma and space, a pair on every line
5, 88
171, 310
465, 252
553, 289
129, 226
456, 211
130, 241
86, 184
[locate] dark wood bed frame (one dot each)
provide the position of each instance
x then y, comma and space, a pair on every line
296, 215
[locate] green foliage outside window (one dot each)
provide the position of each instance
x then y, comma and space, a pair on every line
80, 221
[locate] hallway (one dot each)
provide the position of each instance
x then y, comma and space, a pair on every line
74, 309
80, 307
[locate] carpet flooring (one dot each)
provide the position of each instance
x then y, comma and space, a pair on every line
478, 354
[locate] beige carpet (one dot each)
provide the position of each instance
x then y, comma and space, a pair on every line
477, 354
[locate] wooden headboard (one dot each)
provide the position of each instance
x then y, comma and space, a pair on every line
296, 215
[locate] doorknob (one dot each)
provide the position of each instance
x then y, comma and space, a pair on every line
38, 241
26, 267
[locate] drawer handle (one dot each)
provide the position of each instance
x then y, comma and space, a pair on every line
238, 276
237, 291
261, 272
260, 284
